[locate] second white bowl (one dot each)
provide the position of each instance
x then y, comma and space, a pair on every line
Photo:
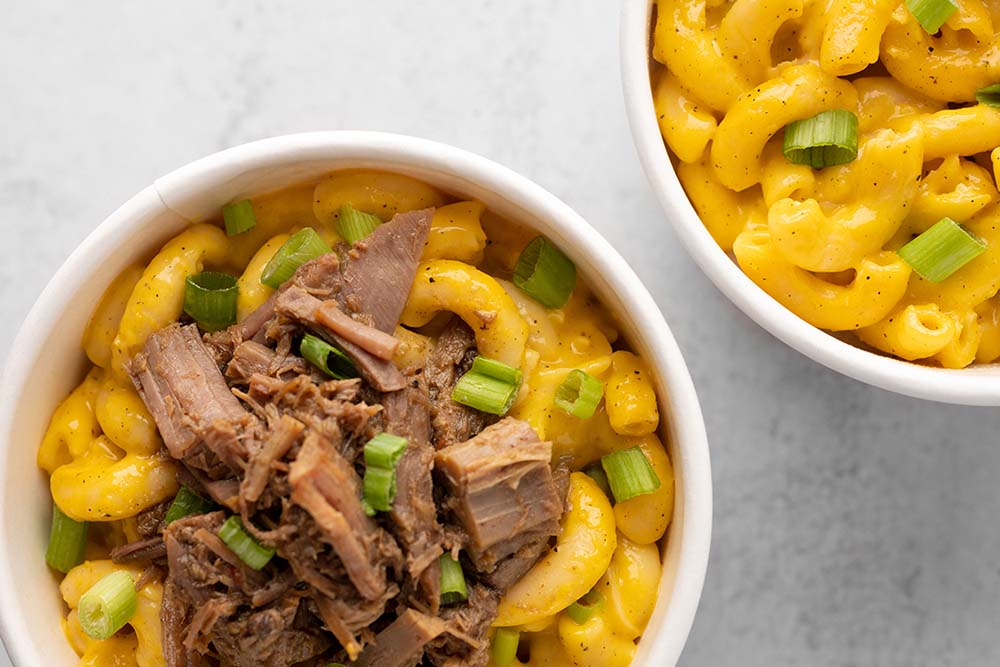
977, 385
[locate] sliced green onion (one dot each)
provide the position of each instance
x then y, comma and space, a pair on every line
238, 217
453, 587
382, 454
629, 474
67, 540
942, 250
583, 609
384, 451
825, 140
990, 95
108, 605
579, 394
187, 503
210, 299
504, 648
368, 509
249, 550
931, 14
305, 245
596, 472
496, 369
354, 225
545, 274
490, 386
327, 358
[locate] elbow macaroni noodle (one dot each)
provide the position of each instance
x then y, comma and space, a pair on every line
107, 462
728, 77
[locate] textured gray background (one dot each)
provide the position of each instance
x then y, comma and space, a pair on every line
852, 526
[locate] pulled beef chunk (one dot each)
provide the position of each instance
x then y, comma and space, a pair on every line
406, 413
343, 610
402, 643
371, 284
328, 407
512, 568
251, 358
379, 272
198, 417
268, 451
447, 361
328, 488
464, 642
280, 635
213, 604
502, 492
298, 305
146, 549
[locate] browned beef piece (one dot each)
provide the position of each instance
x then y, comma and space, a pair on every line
267, 451
200, 420
502, 492
280, 635
372, 281
402, 643
328, 408
149, 522
314, 562
146, 549
251, 358
297, 304
464, 642
448, 360
379, 271
326, 486
214, 605
512, 568
406, 413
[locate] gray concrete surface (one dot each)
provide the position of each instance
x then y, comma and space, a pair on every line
852, 526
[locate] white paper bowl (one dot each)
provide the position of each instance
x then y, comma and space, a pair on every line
978, 385
46, 360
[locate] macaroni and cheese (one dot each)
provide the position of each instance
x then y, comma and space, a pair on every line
730, 78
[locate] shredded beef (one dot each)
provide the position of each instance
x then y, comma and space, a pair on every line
464, 642
502, 490
271, 439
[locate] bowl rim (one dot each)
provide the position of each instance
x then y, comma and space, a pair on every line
975, 385
694, 501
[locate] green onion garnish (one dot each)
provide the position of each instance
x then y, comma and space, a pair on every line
327, 358
825, 140
304, 245
579, 394
354, 225
187, 503
453, 587
210, 299
990, 95
504, 649
108, 605
249, 550
490, 386
238, 217
545, 274
582, 610
67, 540
629, 474
931, 14
942, 250
595, 471
382, 453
